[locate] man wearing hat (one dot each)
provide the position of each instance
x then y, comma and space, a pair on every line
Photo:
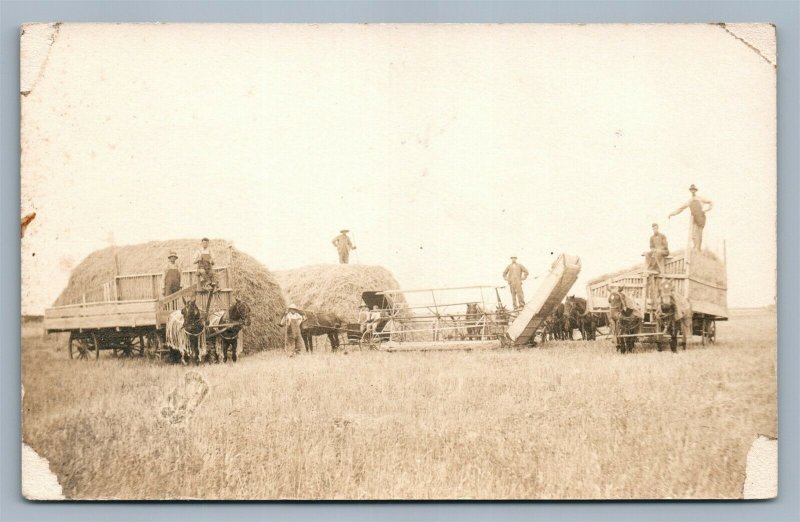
363, 317
343, 245
515, 274
204, 260
172, 275
293, 336
698, 207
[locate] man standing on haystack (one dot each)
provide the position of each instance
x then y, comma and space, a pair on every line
515, 274
698, 207
172, 275
343, 245
292, 335
204, 260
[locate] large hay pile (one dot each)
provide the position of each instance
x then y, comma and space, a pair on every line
334, 288
252, 282
705, 264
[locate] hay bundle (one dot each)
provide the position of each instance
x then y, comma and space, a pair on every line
252, 282
334, 288
705, 264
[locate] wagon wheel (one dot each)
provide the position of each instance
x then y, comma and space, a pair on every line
84, 346
711, 331
126, 350
155, 346
368, 341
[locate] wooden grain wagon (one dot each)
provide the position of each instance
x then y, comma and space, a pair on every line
128, 316
699, 276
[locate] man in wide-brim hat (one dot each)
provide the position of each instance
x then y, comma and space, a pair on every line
698, 207
172, 274
343, 246
515, 274
293, 335
363, 317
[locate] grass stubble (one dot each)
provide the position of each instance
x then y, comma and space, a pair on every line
566, 421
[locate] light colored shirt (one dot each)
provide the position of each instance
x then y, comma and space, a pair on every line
707, 204
291, 317
342, 243
374, 316
203, 252
515, 273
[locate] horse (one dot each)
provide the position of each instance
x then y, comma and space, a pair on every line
626, 320
473, 319
559, 323
321, 323
578, 317
186, 331
675, 313
239, 315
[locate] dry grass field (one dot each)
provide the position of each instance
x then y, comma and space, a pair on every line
570, 420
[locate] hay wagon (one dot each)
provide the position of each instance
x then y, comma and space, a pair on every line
699, 276
127, 315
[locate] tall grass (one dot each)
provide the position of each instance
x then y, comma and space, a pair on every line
570, 420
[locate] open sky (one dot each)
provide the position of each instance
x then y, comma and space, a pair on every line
444, 148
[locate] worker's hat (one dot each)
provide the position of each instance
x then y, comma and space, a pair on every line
344, 231
293, 307
654, 224
204, 239
363, 306
513, 257
692, 188
172, 254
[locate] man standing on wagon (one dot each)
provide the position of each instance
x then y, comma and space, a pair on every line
515, 274
204, 260
344, 246
172, 275
698, 207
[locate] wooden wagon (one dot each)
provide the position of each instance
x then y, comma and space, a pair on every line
128, 316
699, 276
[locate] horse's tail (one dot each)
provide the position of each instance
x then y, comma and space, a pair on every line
176, 337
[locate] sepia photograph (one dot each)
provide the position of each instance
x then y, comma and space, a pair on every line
398, 261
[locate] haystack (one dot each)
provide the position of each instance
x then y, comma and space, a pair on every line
334, 288
252, 282
706, 264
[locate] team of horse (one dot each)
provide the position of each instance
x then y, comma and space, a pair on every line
623, 319
195, 335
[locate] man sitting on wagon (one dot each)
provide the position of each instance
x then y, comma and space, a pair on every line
374, 318
204, 260
654, 259
363, 317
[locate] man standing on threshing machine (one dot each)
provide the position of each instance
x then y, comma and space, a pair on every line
172, 275
698, 207
292, 336
344, 246
654, 259
515, 274
204, 260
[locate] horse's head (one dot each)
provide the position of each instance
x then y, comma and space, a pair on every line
191, 312
239, 312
